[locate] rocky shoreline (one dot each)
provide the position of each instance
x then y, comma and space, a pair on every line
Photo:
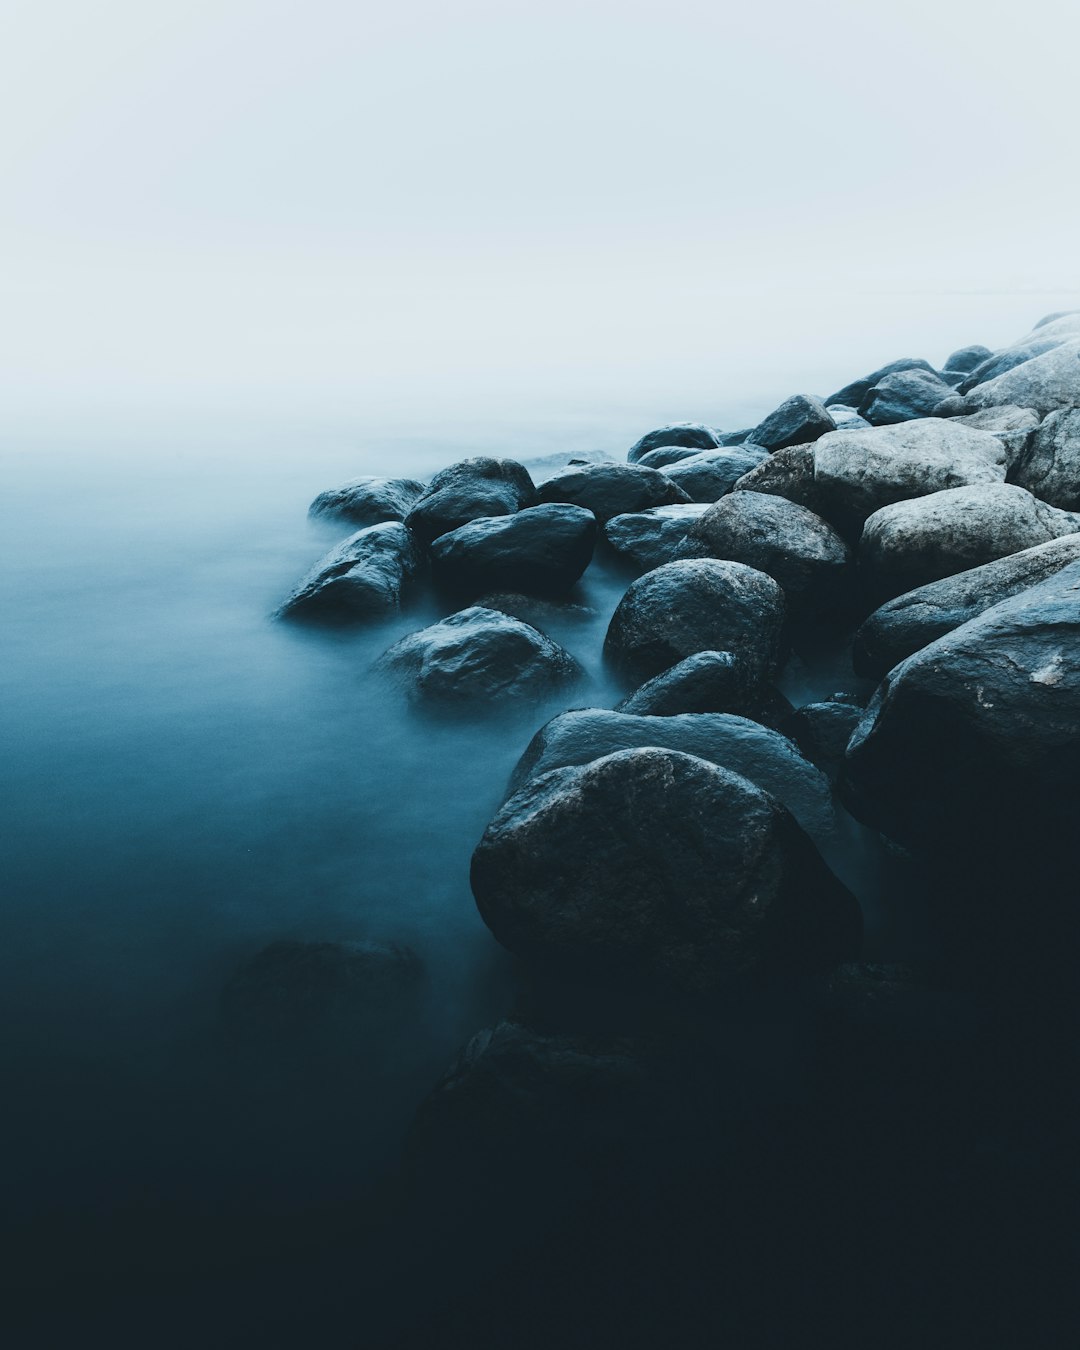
706, 1116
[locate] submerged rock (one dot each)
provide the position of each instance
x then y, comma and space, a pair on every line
369, 501
915, 542
693, 434
708, 475
708, 682
758, 753
798, 420
612, 489
917, 618
362, 578
658, 867
542, 549
465, 491
903, 396
1049, 465
651, 538
479, 656
697, 605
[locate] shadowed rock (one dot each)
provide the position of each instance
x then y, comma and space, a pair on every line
541, 550
694, 435
853, 394
363, 578
468, 490
707, 476
967, 358
798, 420
708, 682
903, 396
612, 489
1049, 465
651, 538
369, 501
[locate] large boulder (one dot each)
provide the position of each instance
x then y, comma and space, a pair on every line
1070, 316
1000, 363
1044, 383
798, 420
903, 396
707, 682
695, 435
707, 476
917, 618
1049, 465
975, 739
737, 743
853, 394
697, 605
482, 657
793, 545
612, 489
915, 542
369, 501
789, 474
465, 491
663, 870
542, 550
1011, 425
362, 578
966, 359
648, 539
858, 472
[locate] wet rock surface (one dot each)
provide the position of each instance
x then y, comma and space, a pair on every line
647, 539
613, 489
465, 491
708, 682
708, 475
541, 550
694, 435
363, 578
798, 420
369, 501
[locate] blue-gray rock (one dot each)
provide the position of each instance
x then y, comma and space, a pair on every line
789, 474
1011, 425
797, 421
362, 578
369, 501
465, 491
708, 475
1000, 363
1043, 383
903, 396
649, 539
822, 730
542, 550
846, 419
966, 359
693, 434
664, 455
1049, 465
612, 489
697, 605
708, 682
853, 394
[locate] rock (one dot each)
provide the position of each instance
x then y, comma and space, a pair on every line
915, 542
692, 606
846, 419
693, 434
1056, 316
298, 989
543, 467
362, 578
798, 420
661, 869
541, 550
858, 472
533, 610
707, 682
479, 656
612, 489
668, 454
650, 538
976, 738
1011, 425
793, 545
903, 396
729, 438
369, 501
744, 746
917, 618
468, 490
822, 731
707, 476
967, 358
1044, 383
853, 394
1049, 466
1000, 363
788, 474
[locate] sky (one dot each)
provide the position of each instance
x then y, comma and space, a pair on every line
262, 203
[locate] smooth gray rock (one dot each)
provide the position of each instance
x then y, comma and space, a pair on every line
542, 550
1000, 363
903, 396
707, 476
1057, 316
664, 455
662, 869
1049, 466
1044, 383
649, 539
853, 394
846, 419
708, 682
612, 489
744, 746
480, 657
793, 545
465, 491
692, 606
369, 501
915, 619
788, 474
967, 358
693, 434
915, 542
1011, 425
362, 578
798, 420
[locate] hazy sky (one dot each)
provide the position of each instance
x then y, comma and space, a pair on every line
249, 201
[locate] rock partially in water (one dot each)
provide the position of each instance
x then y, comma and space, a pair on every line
756, 752
612, 489
790, 543
362, 578
658, 867
541, 550
649, 539
479, 657
915, 542
708, 682
798, 420
465, 491
537, 611
697, 605
708, 475
853, 394
1049, 465
903, 396
917, 618
967, 358
369, 501
694, 435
